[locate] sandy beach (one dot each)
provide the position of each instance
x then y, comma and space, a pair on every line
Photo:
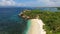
36, 27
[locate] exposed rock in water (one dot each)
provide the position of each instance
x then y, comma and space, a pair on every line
23, 15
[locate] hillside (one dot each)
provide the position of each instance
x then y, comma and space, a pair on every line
51, 20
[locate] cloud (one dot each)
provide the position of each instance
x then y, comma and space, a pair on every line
10, 3
55, 0
21, 4
43, 3
50, 3
33, 3
7, 3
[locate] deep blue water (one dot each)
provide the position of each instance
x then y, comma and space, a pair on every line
11, 13
11, 23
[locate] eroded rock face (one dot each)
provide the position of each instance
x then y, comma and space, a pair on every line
23, 15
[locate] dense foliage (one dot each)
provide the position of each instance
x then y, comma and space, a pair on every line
16, 24
51, 20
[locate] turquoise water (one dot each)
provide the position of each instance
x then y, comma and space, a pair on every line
28, 26
11, 23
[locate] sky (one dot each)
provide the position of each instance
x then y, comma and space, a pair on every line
30, 3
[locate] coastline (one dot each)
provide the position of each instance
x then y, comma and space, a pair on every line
34, 27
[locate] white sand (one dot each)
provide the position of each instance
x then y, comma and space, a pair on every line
36, 27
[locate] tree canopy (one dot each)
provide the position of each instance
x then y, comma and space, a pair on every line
51, 20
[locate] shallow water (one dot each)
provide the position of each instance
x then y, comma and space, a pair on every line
35, 26
27, 27
11, 23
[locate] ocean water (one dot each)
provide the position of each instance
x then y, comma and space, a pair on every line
11, 23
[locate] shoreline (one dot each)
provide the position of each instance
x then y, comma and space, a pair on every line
35, 28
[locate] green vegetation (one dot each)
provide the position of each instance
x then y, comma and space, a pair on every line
51, 20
